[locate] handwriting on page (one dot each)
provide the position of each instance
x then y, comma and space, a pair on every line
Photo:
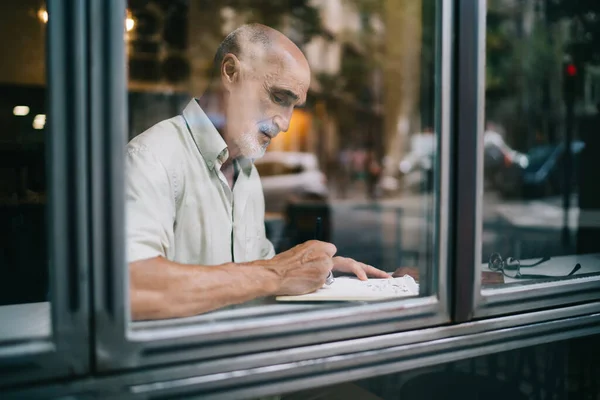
392, 286
353, 289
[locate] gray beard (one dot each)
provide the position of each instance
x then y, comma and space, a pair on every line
250, 147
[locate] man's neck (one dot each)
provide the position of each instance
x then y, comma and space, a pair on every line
230, 172
211, 98
228, 163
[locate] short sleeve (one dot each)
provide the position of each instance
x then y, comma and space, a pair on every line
267, 250
150, 206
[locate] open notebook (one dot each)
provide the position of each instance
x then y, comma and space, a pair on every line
353, 289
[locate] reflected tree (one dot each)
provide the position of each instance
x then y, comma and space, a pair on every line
583, 17
175, 40
402, 72
397, 53
523, 65
528, 43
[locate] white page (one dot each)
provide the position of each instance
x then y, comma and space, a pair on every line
353, 289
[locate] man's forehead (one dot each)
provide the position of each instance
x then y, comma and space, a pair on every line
288, 85
289, 75
279, 70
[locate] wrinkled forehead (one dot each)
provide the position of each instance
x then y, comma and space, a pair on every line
281, 69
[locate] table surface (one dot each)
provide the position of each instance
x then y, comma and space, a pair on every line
558, 266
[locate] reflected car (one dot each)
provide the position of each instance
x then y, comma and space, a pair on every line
290, 176
542, 175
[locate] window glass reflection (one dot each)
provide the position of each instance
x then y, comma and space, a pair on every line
565, 369
24, 278
273, 144
541, 202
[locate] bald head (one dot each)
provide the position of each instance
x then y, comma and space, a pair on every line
257, 42
263, 75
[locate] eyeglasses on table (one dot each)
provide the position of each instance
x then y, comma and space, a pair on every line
511, 268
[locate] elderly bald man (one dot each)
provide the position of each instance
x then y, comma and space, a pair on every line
195, 208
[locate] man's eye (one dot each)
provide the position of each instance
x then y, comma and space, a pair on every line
279, 100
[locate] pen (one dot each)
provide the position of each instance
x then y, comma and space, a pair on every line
319, 236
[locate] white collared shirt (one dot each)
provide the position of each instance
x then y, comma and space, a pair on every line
179, 204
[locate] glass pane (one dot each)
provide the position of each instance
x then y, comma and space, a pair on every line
24, 280
541, 143
322, 122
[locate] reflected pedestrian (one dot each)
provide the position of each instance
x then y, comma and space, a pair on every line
372, 174
344, 172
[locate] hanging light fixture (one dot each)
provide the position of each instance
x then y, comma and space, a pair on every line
43, 15
129, 22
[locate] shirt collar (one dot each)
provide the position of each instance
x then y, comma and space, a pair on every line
209, 141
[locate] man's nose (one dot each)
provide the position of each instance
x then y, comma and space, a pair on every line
282, 121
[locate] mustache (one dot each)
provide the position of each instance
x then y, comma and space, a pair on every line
268, 128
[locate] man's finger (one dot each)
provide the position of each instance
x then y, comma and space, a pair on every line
327, 247
359, 271
374, 272
330, 249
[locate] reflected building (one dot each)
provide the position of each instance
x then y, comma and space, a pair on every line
372, 79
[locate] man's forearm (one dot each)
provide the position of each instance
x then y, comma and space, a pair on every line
161, 289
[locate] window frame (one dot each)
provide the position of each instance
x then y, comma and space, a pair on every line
65, 352
247, 371
472, 302
118, 346
276, 372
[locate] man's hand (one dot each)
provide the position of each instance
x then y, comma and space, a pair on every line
302, 269
362, 271
160, 288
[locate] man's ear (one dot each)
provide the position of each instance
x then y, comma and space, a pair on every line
230, 70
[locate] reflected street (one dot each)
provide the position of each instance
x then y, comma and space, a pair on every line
366, 230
